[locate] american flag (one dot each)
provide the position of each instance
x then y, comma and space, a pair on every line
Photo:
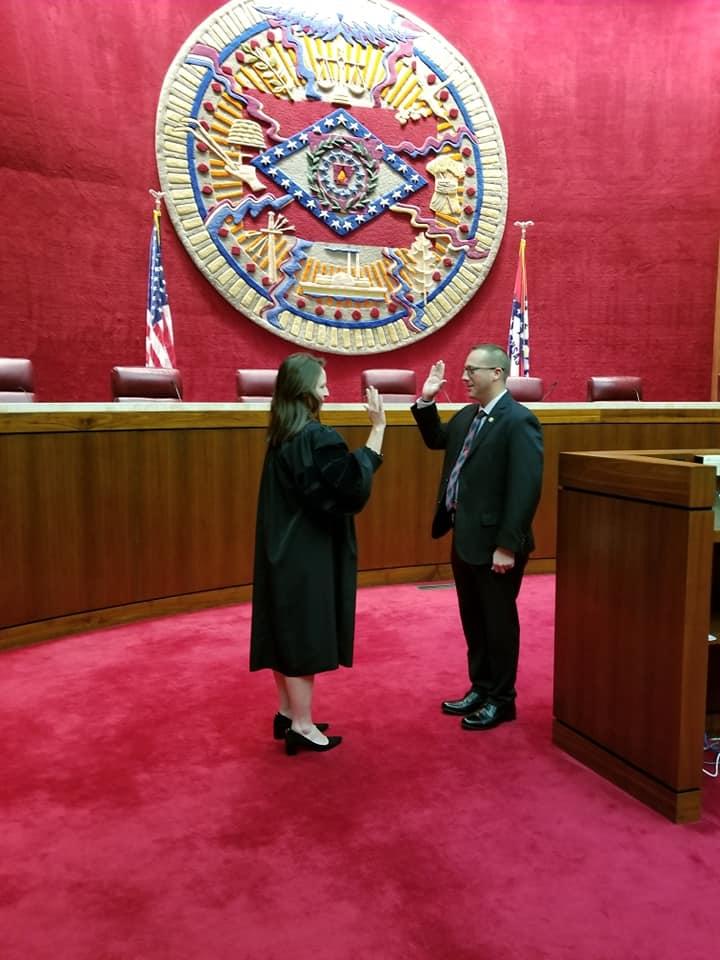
159, 337
519, 338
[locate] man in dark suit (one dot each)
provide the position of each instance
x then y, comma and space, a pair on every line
490, 488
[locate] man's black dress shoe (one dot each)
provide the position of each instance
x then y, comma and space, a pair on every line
468, 704
281, 725
489, 716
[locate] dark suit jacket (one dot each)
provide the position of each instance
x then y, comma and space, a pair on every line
500, 482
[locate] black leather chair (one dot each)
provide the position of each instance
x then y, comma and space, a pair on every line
16, 380
146, 383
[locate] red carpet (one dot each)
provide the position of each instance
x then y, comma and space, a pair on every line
147, 815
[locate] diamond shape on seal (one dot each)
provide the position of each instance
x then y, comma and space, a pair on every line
340, 172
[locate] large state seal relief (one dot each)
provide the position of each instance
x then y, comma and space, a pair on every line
338, 174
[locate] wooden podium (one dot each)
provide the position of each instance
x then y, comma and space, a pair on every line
634, 597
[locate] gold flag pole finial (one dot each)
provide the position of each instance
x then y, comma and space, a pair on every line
524, 225
157, 196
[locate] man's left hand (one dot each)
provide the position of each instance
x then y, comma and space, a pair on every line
503, 560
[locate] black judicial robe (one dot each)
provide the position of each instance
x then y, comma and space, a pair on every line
305, 577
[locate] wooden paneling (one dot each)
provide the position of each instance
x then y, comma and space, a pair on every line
103, 519
105, 508
394, 529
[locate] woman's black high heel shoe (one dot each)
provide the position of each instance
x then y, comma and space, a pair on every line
296, 741
281, 725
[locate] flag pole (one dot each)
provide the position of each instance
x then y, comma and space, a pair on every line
159, 335
519, 335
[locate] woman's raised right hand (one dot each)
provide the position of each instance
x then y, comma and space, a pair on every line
374, 407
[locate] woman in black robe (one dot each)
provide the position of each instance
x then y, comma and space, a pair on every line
305, 576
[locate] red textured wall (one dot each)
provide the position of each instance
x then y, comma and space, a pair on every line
610, 114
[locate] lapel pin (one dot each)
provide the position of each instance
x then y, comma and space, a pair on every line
491, 419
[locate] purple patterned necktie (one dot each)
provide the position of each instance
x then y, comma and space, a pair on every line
454, 478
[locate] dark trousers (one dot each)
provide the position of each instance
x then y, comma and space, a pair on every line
488, 610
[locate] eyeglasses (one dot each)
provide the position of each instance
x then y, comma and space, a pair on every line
471, 370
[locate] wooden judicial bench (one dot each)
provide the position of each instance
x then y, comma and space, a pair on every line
637, 673
110, 513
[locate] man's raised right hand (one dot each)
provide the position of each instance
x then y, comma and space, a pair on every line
435, 381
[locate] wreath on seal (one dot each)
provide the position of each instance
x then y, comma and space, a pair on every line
324, 152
